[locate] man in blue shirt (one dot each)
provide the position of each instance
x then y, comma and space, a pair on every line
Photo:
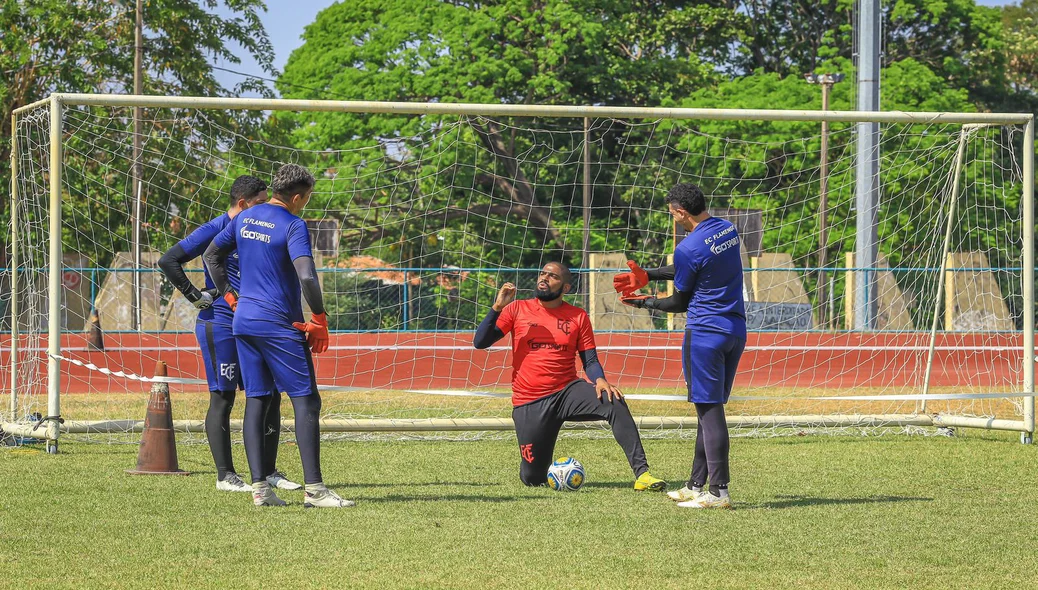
219, 351
274, 343
707, 275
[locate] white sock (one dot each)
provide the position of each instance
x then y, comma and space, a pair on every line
314, 488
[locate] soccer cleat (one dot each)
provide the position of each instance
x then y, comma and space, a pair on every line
646, 481
280, 481
685, 494
708, 500
319, 496
232, 482
263, 495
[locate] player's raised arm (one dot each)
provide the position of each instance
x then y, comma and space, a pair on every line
638, 277
488, 331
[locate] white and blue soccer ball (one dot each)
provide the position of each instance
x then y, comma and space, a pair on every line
566, 474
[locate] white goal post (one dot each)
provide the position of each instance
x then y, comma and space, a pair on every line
854, 405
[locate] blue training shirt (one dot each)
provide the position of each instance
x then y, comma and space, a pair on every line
707, 264
268, 238
194, 245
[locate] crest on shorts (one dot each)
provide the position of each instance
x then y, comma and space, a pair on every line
527, 452
227, 370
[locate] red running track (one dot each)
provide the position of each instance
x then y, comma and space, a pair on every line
634, 360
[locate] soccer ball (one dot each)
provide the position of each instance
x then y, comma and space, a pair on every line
566, 474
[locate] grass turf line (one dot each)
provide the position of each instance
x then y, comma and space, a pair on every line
825, 512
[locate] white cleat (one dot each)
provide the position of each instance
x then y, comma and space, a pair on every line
709, 500
263, 495
232, 482
685, 494
319, 496
279, 481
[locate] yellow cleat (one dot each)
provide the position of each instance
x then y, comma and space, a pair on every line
646, 481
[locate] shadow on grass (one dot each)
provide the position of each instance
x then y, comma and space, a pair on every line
801, 501
453, 498
626, 485
415, 485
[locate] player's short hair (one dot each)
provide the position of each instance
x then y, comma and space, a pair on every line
688, 197
246, 187
291, 179
564, 272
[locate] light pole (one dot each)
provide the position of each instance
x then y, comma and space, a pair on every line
826, 81
135, 163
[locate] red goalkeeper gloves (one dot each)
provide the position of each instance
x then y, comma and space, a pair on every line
638, 301
629, 282
231, 297
316, 331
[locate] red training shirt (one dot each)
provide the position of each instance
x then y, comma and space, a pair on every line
545, 343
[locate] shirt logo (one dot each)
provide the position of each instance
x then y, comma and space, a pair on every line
564, 326
547, 345
527, 452
227, 370
249, 234
719, 248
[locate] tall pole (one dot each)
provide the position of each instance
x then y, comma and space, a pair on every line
826, 81
54, 276
585, 259
1028, 277
135, 184
14, 267
867, 165
823, 210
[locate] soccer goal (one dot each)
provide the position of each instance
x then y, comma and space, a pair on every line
910, 305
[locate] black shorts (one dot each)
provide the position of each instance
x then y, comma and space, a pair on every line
537, 424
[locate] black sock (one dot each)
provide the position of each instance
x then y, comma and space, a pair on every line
308, 435
218, 431
272, 434
255, 412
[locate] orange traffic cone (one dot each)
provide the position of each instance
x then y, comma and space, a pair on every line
95, 338
158, 452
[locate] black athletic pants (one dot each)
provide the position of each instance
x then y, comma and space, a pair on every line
710, 461
537, 427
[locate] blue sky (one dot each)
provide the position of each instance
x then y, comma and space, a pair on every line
286, 19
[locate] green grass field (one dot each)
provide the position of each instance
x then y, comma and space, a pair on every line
815, 511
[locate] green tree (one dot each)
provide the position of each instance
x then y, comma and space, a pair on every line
87, 46
511, 51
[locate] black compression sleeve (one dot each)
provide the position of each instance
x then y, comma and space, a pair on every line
665, 273
215, 260
172, 265
592, 368
676, 303
488, 333
307, 273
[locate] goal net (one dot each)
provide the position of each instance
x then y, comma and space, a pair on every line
421, 212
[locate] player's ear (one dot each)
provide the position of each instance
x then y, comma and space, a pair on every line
566, 288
